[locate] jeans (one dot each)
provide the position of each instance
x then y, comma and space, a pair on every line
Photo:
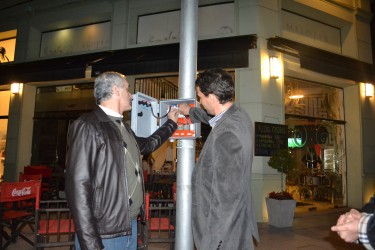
128, 242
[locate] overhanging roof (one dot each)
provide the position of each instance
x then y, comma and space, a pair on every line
229, 52
48, 70
325, 62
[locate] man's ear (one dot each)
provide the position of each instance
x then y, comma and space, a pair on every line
213, 98
115, 90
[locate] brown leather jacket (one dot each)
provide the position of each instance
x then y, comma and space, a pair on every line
96, 183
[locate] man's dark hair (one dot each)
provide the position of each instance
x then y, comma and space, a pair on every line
218, 82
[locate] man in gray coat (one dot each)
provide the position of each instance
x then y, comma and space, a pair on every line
222, 212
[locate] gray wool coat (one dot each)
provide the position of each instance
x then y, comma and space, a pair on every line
222, 213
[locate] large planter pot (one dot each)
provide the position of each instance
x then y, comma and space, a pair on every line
280, 212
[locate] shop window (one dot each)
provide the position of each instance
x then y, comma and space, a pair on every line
4, 111
164, 27
166, 87
82, 39
314, 114
55, 108
160, 88
7, 46
308, 99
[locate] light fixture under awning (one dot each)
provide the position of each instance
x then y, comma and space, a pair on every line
296, 96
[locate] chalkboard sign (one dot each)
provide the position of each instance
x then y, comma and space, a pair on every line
269, 137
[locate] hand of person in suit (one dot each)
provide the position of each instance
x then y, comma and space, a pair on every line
184, 108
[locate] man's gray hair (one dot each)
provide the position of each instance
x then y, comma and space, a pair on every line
104, 83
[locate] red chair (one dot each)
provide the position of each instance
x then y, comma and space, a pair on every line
46, 173
18, 201
54, 225
160, 221
30, 177
145, 176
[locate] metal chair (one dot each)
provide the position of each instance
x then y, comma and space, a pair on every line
160, 222
54, 225
18, 201
31, 177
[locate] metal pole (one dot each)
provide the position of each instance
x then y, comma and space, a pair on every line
186, 148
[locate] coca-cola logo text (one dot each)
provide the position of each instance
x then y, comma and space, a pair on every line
21, 192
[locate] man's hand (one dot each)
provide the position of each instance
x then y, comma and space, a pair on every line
173, 114
184, 108
347, 225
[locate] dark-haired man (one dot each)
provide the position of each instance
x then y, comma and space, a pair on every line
222, 212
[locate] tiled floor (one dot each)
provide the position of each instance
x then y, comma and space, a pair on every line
310, 231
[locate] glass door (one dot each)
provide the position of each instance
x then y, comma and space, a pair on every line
4, 111
316, 128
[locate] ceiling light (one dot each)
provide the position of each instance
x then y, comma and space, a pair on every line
296, 96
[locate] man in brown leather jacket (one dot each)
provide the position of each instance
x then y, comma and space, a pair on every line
104, 179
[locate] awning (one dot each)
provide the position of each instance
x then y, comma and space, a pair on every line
228, 52
325, 62
48, 70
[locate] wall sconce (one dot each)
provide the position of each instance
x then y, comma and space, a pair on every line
15, 88
275, 70
369, 90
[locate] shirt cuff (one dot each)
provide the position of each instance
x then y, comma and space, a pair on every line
362, 230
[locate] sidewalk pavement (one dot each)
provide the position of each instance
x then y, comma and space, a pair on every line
310, 231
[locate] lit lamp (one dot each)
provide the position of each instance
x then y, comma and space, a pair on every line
274, 67
15, 88
369, 90
296, 96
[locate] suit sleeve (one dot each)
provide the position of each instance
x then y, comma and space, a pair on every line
198, 115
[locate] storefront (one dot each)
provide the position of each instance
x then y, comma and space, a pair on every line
322, 57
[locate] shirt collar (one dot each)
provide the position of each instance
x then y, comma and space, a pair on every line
110, 112
216, 118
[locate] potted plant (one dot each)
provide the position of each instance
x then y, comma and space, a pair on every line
281, 205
